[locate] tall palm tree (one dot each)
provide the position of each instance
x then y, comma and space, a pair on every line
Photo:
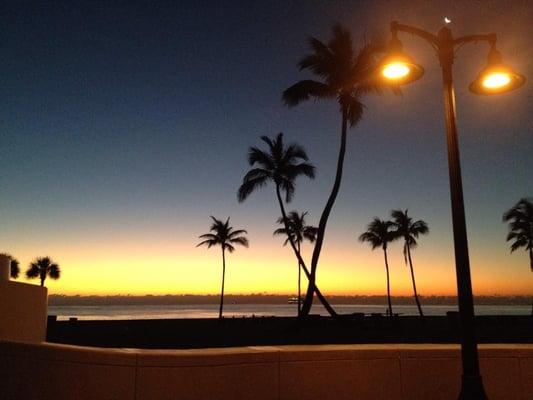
299, 231
14, 265
379, 233
409, 230
281, 165
520, 219
43, 267
345, 76
224, 236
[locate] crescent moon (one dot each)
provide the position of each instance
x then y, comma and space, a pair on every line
447, 20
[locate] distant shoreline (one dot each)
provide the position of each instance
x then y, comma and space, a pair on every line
64, 300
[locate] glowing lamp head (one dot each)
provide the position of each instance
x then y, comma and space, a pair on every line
496, 80
397, 68
496, 77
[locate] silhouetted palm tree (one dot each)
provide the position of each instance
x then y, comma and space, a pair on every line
520, 219
379, 234
281, 165
14, 265
43, 267
224, 236
299, 231
345, 76
15, 268
409, 230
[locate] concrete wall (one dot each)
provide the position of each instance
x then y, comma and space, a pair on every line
23, 310
391, 372
5, 268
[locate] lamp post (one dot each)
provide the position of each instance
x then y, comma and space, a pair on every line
398, 68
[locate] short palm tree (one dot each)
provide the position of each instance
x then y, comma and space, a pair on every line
379, 233
281, 165
408, 230
345, 76
224, 236
14, 266
43, 267
298, 231
520, 219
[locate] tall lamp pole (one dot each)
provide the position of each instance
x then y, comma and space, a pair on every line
399, 68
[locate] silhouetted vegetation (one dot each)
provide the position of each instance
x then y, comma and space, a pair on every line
298, 231
226, 237
42, 268
14, 265
520, 219
346, 76
280, 165
379, 233
409, 230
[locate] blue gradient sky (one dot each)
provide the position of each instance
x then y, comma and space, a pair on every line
125, 125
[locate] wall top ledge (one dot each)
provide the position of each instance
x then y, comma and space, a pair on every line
246, 355
25, 285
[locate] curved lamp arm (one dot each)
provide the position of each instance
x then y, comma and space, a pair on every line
396, 27
435, 41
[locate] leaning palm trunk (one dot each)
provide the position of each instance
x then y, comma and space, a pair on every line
388, 282
311, 288
299, 283
414, 284
322, 299
223, 278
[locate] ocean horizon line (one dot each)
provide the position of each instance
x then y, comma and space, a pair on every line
173, 299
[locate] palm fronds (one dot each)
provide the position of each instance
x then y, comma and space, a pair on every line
14, 266
280, 164
43, 267
520, 221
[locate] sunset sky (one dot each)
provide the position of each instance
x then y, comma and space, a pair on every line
124, 126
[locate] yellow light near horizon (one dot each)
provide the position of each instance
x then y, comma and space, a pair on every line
142, 264
496, 80
396, 70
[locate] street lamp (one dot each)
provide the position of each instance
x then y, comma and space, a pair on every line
398, 69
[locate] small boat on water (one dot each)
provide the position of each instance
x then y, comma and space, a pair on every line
294, 300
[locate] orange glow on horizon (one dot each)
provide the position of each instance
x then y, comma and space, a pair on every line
168, 269
138, 264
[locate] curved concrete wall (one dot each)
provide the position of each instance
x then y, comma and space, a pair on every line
391, 372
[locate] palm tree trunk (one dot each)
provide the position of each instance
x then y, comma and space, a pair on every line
223, 277
531, 264
43, 277
322, 299
299, 283
308, 301
414, 284
388, 282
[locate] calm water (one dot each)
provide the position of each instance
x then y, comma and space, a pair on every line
240, 310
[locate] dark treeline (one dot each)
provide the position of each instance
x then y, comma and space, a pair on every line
63, 300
